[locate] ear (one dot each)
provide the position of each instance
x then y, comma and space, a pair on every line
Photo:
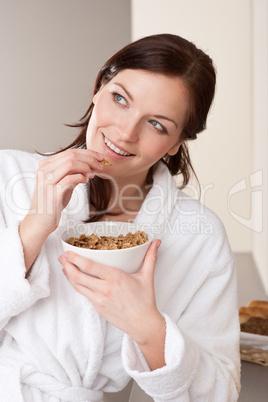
173, 150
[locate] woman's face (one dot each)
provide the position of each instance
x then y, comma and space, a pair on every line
137, 118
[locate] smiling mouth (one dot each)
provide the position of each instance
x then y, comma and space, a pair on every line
115, 149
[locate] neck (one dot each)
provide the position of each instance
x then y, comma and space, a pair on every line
124, 198
127, 199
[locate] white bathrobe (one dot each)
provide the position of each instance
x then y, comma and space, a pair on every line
55, 347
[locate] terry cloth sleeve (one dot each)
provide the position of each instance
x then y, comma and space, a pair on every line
201, 348
16, 292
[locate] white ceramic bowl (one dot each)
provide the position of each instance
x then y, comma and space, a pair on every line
127, 259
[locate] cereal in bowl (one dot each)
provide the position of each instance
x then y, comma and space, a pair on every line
109, 242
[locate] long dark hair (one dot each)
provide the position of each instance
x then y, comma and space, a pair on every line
173, 56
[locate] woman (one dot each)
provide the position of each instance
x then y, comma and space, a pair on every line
173, 326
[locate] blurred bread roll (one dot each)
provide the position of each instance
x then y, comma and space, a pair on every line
258, 303
246, 312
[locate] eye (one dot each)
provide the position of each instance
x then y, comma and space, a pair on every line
119, 99
158, 126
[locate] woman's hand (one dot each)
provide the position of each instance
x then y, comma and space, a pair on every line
56, 178
126, 301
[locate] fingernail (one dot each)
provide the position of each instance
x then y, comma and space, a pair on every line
66, 254
158, 243
60, 259
100, 156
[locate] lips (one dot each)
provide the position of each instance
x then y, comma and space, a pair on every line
116, 149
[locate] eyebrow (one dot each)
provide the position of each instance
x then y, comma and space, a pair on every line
166, 118
124, 89
157, 116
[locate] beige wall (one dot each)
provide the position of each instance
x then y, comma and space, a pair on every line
260, 137
51, 51
222, 154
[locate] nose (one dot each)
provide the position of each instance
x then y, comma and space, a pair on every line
128, 130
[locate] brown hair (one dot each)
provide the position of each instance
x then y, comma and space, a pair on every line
170, 55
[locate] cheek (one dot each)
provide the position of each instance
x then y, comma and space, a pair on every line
97, 115
151, 152
156, 148
88, 136
104, 114
96, 121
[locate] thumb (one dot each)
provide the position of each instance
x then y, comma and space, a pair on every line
151, 258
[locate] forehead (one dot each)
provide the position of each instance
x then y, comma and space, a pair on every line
152, 79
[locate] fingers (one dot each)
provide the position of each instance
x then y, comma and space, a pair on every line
72, 153
69, 167
90, 267
76, 276
56, 178
58, 175
72, 161
90, 279
83, 283
150, 259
